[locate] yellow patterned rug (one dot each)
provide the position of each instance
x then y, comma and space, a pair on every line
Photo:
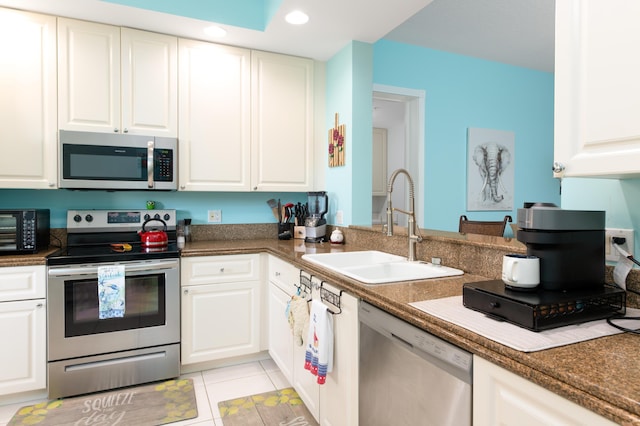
148, 405
280, 407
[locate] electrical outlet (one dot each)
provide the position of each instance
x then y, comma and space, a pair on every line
215, 216
611, 253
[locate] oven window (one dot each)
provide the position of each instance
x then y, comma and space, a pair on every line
144, 306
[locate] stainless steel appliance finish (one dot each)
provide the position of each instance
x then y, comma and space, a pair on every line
88, 354
117, 161
410, 377
24, 231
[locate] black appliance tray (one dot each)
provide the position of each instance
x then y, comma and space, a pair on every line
543, 309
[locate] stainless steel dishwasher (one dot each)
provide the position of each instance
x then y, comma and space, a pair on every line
410, 377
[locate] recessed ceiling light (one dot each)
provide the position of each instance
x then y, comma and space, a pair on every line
215, 31
297, 17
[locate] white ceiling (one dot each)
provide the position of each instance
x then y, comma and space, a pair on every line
517, 32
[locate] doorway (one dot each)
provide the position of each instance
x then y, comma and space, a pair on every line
401, 112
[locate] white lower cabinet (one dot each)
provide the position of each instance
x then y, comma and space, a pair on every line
336, 401
23, 316
504, 398
221, 307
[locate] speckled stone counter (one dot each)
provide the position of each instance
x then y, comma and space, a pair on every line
602, 375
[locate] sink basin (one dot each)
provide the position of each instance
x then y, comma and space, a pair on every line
376, 267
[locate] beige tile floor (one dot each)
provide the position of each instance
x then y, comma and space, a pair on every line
212, 386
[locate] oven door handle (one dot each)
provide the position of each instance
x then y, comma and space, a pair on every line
93, 269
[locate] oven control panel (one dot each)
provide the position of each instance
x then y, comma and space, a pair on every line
117, 220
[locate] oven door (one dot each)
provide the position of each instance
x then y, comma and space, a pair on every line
151, 314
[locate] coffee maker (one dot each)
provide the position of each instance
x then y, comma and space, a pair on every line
569, 243
571, 247
315, 225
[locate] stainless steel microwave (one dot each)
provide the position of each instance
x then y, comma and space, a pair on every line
117, 161
24, 231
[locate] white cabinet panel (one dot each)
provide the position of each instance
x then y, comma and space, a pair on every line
504, 398
116, 80
597, 90
28, 117
282, 122
22, 282
214, 117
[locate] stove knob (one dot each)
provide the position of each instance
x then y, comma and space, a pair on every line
147, 217
156, 216
77, 218
88, 218
167, 216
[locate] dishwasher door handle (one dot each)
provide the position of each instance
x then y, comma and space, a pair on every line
401, 340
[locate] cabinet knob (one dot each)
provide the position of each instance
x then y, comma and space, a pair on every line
40, 305
52, 184
221, 270
185, 291
255, 188
277, 274
558, 167
116, 130
125, 130
182, 186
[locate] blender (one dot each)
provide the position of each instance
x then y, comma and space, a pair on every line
315, 224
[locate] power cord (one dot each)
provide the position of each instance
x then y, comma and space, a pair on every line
617, 243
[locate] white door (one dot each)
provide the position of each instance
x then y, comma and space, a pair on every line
23, 366
149, 83
88, 76
597, 131
282, 122
28, 102
214, 117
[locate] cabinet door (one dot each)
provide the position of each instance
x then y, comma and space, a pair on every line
339, 394
305, 383
280, 337
597, 131
220, 321
214, 114
28, 101
503, 398
281, 122
24, 366
149, 83
89, 76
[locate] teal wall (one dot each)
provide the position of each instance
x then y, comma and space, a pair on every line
464, 92
349, 85
618, 198
236, 208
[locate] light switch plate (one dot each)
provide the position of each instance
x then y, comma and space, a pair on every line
215, 216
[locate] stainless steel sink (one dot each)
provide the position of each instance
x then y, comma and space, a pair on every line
376, 267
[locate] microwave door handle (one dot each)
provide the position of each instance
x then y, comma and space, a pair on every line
150, 164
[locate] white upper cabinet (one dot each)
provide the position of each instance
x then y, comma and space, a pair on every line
282, 122
116, 80
597, 88
214, 117
28, 101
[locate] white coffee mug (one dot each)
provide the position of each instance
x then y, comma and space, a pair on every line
521, 271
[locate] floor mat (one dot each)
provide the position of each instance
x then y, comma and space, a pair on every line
280, 407
148, 405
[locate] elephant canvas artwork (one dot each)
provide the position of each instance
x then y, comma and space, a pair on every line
490, 169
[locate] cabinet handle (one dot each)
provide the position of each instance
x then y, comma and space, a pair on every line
40, 305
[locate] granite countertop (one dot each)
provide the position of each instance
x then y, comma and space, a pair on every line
602, 375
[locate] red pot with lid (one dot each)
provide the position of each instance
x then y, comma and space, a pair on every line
154, 238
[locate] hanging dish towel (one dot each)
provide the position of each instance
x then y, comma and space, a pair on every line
111, 291
318, 357
297, 313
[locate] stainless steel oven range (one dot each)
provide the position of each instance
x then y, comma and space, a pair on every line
113, 316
